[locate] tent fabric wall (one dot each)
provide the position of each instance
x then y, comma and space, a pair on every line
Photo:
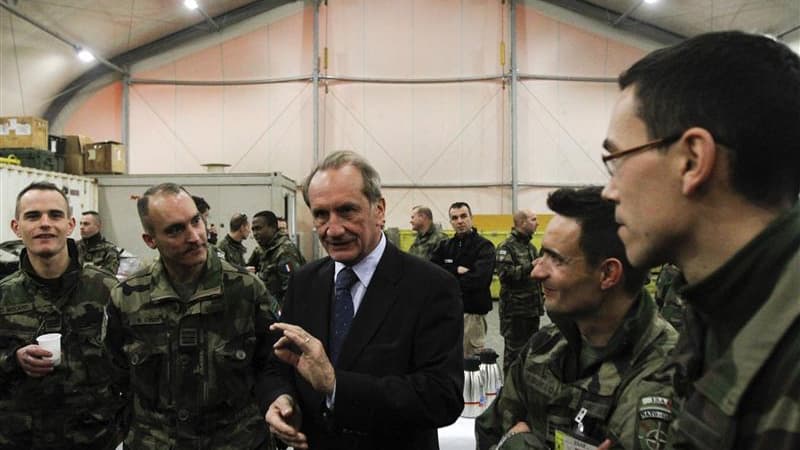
433, 143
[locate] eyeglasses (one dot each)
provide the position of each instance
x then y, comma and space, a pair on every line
612, 161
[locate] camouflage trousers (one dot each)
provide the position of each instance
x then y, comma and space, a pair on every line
474, 333
516, 332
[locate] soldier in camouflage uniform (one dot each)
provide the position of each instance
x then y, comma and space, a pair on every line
278, 256
231, 245
672, 307
77, 403
586, 379
520, 298
93, 248
428, 235
191, 332
716, 193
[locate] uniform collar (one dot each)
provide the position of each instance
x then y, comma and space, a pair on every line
520, 235
210, 282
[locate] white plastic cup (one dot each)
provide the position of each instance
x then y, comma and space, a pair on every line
52, 343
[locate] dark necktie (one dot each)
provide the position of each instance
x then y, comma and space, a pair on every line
343, 309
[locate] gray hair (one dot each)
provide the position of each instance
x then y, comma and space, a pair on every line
336, 160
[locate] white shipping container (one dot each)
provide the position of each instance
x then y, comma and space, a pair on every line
80, 191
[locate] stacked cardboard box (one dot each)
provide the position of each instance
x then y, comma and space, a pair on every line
104, 158
23, 132
73, 156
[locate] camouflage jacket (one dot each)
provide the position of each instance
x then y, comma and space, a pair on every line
612, 398
519, 294
425, 244
78, 405
100, 252
672, 306
737, 366
277, 260
195, 368
233, 250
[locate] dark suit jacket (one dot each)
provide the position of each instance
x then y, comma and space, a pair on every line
400, 372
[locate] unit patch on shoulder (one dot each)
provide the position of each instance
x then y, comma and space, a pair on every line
653, 417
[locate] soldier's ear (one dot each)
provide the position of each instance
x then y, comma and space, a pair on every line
611, 273
15, 227
148, 240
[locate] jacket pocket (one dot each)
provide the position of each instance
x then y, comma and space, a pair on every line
149, 373
233, 370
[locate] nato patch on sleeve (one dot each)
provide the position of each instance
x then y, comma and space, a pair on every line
653, 417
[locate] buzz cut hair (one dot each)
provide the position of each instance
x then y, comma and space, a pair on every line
423, 210
41, 186
94, 214
143, 204
238, 221
459, 205
269, 217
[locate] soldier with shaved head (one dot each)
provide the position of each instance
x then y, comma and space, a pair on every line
520, 299
428, 235
93, 248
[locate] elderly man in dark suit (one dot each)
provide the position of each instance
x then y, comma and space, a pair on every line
370, 349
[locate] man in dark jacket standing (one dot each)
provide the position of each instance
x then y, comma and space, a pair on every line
470, 258
369, 334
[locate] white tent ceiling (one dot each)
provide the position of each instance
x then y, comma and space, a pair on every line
37, 69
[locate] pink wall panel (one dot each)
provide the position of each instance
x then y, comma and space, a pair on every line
621, 56
547, 46
562, 125
342, 32
417, 133
273, 136
438, 133
484, 24
581, 53
154, 147
537, 47
100, 117
386, 38
291, 45
481, 200
387, 41
246, 57
203, 65
198, 122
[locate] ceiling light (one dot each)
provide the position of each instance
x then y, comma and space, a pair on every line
651, 1
191, 4
85, 55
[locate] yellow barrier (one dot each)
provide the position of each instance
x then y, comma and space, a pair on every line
10, 159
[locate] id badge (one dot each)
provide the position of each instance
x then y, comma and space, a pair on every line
564, 441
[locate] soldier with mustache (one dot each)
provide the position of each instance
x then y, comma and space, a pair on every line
190, 332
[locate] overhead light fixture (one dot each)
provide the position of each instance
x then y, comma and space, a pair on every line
651, 1
194, 6
85, 55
